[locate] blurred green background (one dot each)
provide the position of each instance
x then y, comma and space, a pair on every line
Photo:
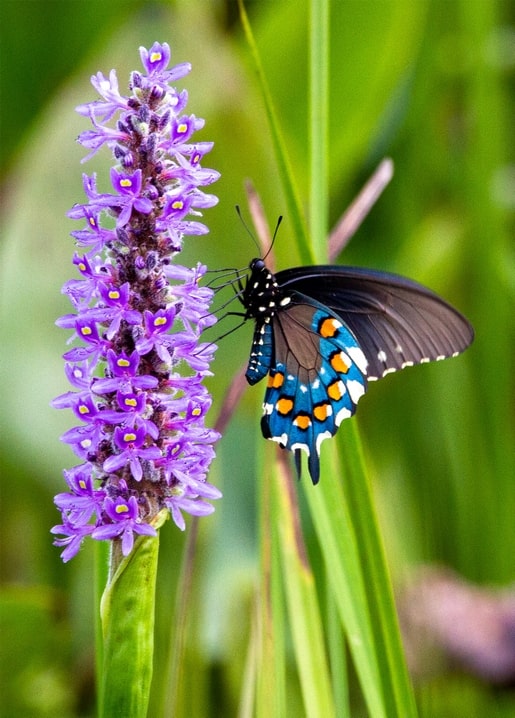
428, 84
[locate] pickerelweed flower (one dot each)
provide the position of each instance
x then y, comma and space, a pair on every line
137, 373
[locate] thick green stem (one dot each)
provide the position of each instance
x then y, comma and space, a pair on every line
127, 613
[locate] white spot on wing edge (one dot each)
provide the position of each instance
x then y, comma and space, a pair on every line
282, 440
342, 415
355, 389
358, 358
391, 370
321, 437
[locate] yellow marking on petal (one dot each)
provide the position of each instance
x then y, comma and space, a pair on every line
122, 362
329, 327
276, 381
130, 402
159, 321
284, 406
92, 221
178, 204
81, 266
339, 363
114, 294
183, 127
197, 411
83, 409
82, 484
126, 182
155, 57
129, 436
86, 331
321, 412
121, 509
336, 390
302, 421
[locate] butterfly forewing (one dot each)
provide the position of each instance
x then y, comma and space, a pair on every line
396, 321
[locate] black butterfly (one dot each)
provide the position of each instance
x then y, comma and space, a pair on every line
323, 332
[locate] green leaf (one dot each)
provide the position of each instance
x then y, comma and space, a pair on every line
283, 162
337, 541
397, 690
271, 665
318, 127
302, 601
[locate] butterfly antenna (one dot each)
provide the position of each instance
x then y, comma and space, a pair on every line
249, 231
279, 220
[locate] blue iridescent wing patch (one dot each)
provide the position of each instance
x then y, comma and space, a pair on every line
317, 377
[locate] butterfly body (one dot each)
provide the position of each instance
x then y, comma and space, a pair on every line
322, 332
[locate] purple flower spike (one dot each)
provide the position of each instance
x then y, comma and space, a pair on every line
137, 366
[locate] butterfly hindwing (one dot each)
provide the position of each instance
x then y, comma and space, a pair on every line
317, 376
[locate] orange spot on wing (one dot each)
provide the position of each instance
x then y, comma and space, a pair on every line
339, 363
321, 412
302, 421
336, 390
276, 381
284, 406
329, 327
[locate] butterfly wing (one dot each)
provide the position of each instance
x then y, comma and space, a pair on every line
322, 332
317, 374
396, 321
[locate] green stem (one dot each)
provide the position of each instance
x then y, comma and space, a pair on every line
293, 202
318, 126
127, 613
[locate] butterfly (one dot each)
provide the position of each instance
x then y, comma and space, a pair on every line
323, 332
